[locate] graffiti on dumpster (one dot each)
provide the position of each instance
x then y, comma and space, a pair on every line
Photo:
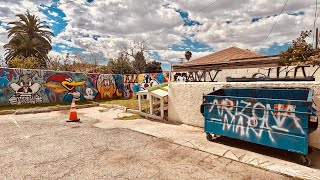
253, 118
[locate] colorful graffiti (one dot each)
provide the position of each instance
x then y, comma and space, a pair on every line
107, 87
25, 91
244, 117
23, 86
64, 83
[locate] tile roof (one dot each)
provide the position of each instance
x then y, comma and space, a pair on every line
224, 55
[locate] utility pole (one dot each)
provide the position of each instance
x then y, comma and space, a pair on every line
181, 60
317, 39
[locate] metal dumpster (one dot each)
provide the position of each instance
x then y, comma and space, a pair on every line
276, 117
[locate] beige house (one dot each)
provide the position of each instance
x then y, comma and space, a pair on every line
229, 58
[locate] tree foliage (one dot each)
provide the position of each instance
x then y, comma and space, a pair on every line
139, 62
153, 67
24, 62
300, 53
188, 55
137, 53
121, 65
76, 62
30, 37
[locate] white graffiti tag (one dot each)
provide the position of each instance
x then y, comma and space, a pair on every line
255, 118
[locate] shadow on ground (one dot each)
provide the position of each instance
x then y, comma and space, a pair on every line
269, 151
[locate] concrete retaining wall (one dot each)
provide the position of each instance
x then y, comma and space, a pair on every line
272, 72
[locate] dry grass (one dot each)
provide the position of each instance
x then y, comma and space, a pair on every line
129, 103
132, 117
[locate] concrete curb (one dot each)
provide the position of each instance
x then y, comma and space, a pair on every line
4, 112
46, 109
67, 107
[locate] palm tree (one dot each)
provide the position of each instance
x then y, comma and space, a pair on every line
30, 37
188, 55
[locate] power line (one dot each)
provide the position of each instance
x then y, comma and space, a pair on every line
314, 22
202, 9
274, 23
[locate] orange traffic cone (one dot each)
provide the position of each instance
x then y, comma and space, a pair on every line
73, 113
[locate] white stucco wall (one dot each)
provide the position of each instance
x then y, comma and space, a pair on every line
185, 98
249, 72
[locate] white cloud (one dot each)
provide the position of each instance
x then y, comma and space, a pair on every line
128, 21
241, 32
174, 56
121, 22
53, 13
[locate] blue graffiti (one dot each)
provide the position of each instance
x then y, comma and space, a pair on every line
160, 78
136, 88
3, 79
119, 82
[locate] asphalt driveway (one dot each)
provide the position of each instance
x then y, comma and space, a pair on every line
44, 146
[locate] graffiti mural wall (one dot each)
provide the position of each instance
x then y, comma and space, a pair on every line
24, 86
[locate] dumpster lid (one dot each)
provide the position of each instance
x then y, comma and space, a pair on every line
267, 92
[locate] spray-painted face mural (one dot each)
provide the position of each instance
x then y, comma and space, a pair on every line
128, 91
89, 95
65, 84
108, 87
25, 91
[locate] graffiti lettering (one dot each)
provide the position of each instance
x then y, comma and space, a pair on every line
253, 119
25, 91
25, 100
203, 76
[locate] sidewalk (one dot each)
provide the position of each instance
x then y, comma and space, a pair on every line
193, 137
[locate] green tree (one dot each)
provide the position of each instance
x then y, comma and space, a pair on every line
121, 65
153, 67
300, 52
24, 62
30, 37
137, 53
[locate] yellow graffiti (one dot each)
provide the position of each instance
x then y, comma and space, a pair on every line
49, 85
55, 87
59, 90
118, 93
106, 91
71, 85
140, 78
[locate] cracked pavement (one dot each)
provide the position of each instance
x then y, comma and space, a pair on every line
44, 146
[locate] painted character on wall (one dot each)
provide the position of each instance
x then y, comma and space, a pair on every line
107, 87
25, 91
89, 95
69, 84
148, 82
128, 90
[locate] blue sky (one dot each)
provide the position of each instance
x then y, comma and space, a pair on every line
106, 27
